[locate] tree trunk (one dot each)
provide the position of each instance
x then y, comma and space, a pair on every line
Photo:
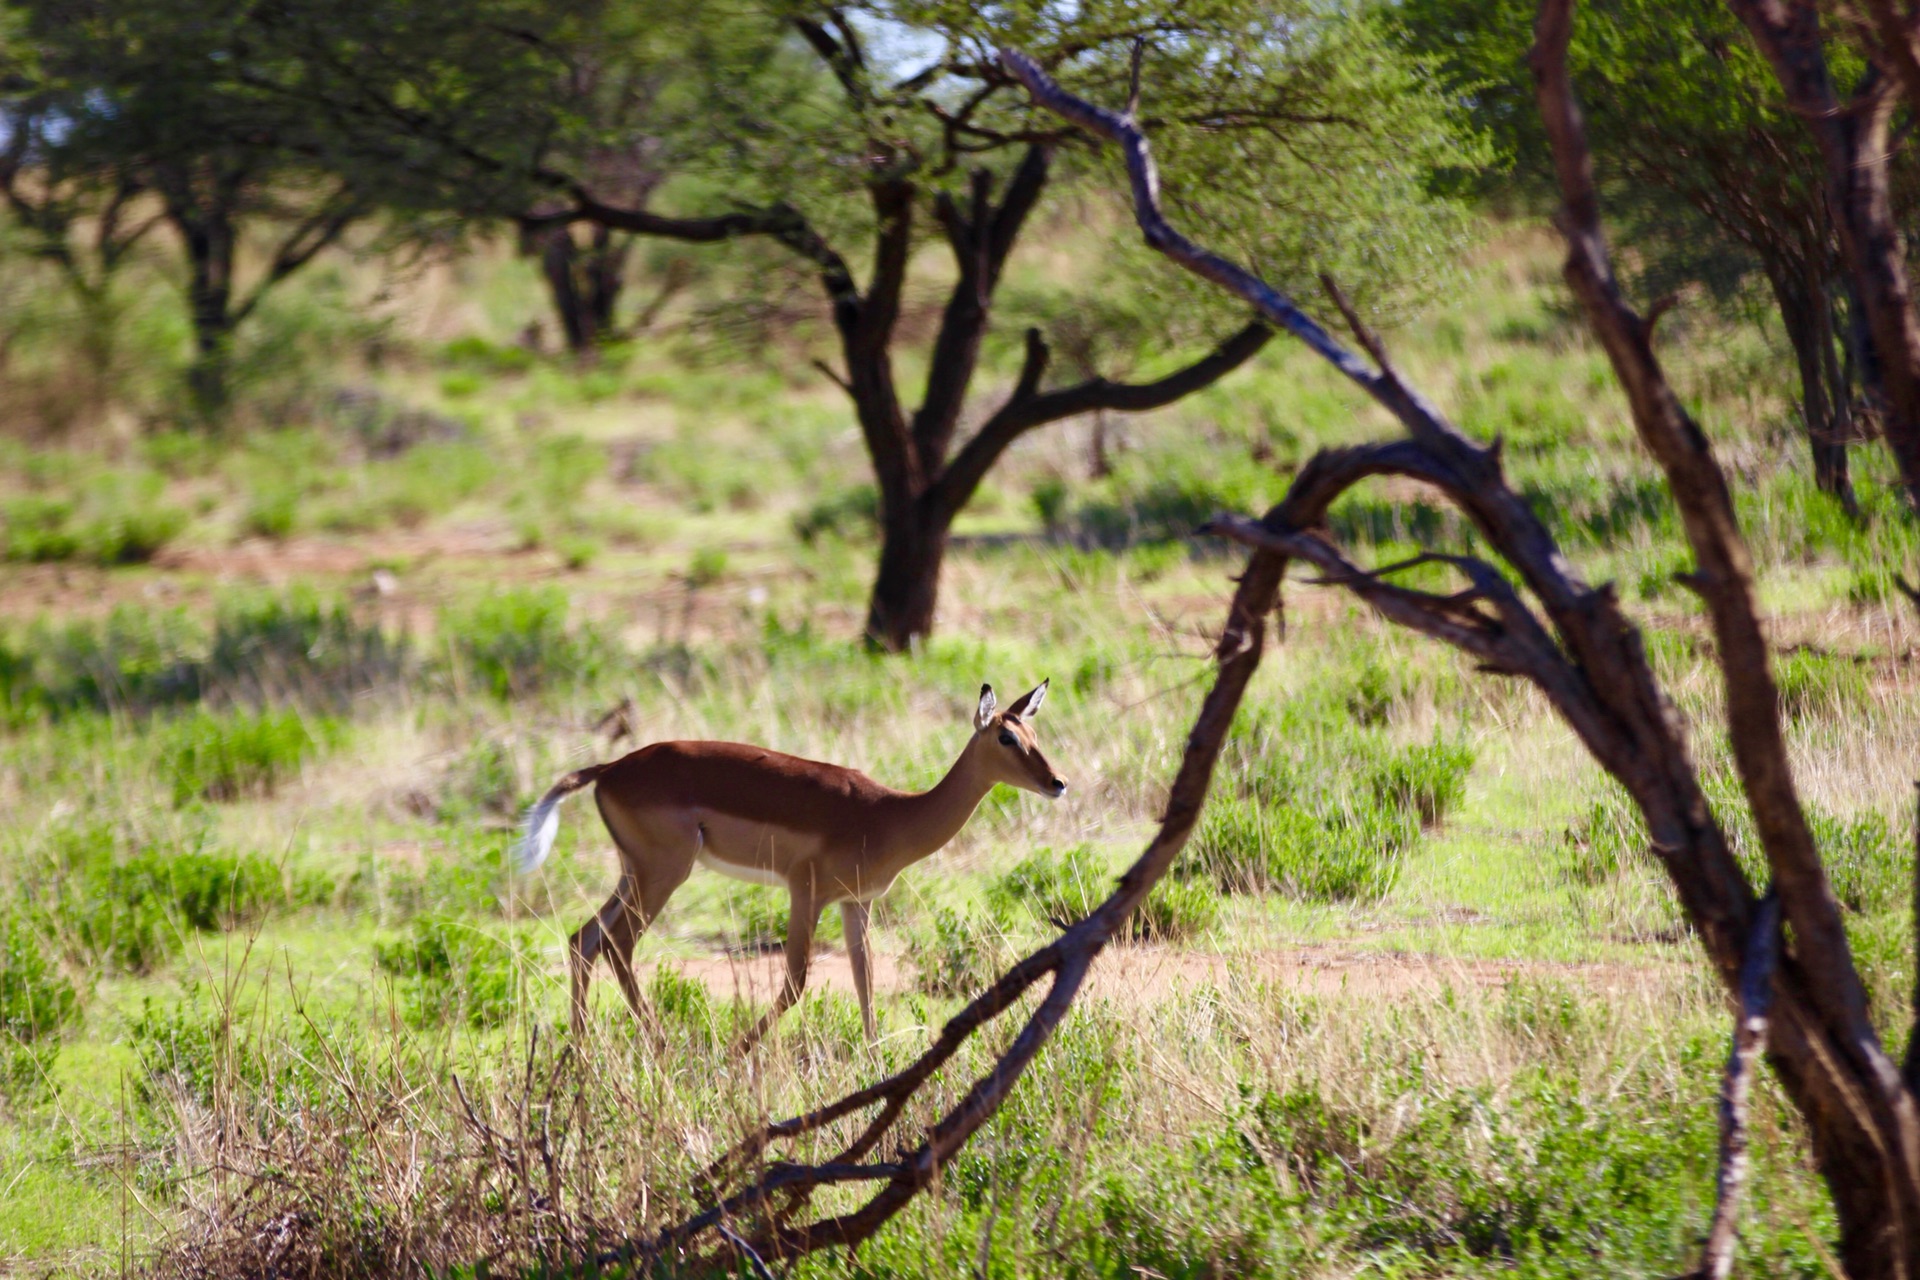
1805, 316
913, 542
584, 284
210, 244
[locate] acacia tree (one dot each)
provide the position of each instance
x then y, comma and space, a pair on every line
1853, 132
152, 101
1711, 174
889, 125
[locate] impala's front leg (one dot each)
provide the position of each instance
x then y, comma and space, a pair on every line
853, 920
802, 916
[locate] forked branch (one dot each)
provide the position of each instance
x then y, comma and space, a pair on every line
755, 1219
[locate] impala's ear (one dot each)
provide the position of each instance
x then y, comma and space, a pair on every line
1027, 705
983, 714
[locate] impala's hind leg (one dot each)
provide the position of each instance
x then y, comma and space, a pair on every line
607, 925
656, 855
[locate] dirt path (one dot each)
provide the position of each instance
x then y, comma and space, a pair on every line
1153, 973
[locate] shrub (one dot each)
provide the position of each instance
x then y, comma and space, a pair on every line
852, 513
36, 999
1869, 866
1177, 910
228, 757
119, 519
1811, 683
1245, 846
447, 968
1049, 496
37, 1002
1427, 780
267, 647
1602, 840
949, 958
128, 913
140, 660
517, 642
1056, 887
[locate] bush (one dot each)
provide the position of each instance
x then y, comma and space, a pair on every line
517, 642
1812, 683
138, 660
1604, 838
227, 757
949, 959
1869, 866
447, 968
36, 999
37, 1002
1056, 887
268, 647
850, 514
1176, 910
1320, 809
119, 519
1427, 780
1247, 847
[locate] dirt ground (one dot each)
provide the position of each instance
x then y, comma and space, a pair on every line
1153, 973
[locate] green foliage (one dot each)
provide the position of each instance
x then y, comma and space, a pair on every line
852, 513
517, 642
954, 954
1056, 887
36, 999
37, 1003
1322, 807
1815, 683
228, 757
263, 648
1177, 911
1869, 866
1605, 838
116, 521
131, 914
447, 969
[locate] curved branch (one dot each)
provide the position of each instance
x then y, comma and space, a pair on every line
1068, 958
1029, 407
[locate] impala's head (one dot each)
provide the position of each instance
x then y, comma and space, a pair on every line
1005, 742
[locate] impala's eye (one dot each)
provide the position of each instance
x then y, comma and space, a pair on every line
1008, 740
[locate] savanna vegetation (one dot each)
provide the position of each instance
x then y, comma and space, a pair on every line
402, 405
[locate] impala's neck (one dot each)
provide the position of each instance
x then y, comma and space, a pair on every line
925, 822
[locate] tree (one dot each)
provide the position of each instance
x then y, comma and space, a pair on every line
890, 124
110, 104
1707, 168
1858, 152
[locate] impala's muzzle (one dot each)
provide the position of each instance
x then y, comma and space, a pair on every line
1056, 788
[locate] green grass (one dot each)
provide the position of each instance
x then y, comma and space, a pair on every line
1415, 1002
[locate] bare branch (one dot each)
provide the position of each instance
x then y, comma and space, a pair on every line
1749, 1040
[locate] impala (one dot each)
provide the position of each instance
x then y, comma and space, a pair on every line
829, 834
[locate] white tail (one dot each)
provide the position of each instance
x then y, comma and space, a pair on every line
543, 824
543, 820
